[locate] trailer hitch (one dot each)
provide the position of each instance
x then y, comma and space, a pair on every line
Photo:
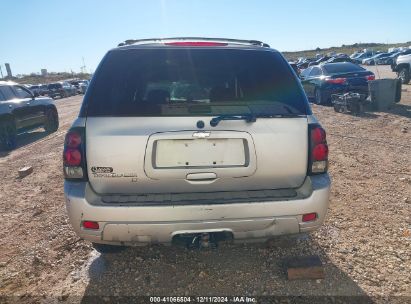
203, 240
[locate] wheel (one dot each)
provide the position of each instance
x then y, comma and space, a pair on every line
318, 97
52, 121
8, 135
103, 248
337, 108
404, 75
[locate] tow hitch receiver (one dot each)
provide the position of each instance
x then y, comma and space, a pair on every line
205, 240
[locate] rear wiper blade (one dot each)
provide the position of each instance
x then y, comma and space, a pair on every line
247, 117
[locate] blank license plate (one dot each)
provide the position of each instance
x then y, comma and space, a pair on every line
174, 153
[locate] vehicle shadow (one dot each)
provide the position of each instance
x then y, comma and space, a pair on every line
231, 270
400, 110
25, 139
396, 109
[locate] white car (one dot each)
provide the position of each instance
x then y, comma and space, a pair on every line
195, 141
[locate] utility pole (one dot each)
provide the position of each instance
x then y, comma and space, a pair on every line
83, 68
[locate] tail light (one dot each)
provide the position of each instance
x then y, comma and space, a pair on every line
74, 160
336, 80
309, 217
370, 77
91, 225
318, 150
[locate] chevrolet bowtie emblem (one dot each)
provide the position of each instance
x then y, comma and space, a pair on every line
201, 134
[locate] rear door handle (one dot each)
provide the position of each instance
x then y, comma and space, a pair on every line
205, 176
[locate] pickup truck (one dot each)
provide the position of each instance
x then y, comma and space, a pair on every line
402, 67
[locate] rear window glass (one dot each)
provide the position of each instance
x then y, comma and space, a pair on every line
342, 68
193, 82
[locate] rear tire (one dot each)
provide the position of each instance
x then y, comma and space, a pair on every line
404, 75
8, 135
337, 108
104, 248
52, 121
398, 91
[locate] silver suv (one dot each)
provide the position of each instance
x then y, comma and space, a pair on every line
194, 140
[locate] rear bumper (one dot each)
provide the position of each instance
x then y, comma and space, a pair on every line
140, 225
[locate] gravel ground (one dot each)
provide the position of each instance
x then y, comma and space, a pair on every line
364, 243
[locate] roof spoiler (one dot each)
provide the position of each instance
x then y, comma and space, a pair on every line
162, 40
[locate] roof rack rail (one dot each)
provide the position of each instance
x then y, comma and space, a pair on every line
160, 40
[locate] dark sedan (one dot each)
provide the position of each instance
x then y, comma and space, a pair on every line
20, 111
321, 81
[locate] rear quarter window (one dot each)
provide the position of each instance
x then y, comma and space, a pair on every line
192, 82
21, 92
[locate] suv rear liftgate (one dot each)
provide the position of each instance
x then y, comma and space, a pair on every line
180, 137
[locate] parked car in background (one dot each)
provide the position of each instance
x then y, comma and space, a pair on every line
339, 55
43, 90
403, 67
232, 156
355, 54
300, 60
35, 89
319, 60
20, 111
295, 67
321, 81
83, 85
389, 60
372, 60
339, 59
61, 89
80, 85
75, 83
304, 63
360, 57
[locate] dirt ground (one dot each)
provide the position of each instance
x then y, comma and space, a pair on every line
365, 243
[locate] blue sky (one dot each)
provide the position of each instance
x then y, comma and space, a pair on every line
57, 34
